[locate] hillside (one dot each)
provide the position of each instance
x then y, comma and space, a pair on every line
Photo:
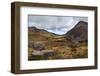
79, 32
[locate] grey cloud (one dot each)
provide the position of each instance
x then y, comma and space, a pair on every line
55, 24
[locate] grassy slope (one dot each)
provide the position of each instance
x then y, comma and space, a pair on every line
65, 49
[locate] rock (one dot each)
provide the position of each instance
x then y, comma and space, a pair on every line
38, 46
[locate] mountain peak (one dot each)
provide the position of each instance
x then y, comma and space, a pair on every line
81, 23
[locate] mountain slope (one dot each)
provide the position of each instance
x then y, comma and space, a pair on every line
79, 32
40, 34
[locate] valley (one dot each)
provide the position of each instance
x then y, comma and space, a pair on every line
44, 45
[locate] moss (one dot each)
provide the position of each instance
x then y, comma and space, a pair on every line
38, 57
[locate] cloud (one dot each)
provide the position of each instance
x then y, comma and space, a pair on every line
56, 24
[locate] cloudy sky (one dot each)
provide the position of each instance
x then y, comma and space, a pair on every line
55, 24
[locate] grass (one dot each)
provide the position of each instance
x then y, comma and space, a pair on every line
65, 49
62, 50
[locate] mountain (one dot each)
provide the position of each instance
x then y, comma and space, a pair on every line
36, 34
35, 29
79, 32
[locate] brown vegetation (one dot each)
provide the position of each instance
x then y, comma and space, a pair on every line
63, 48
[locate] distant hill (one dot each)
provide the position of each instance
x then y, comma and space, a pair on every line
35, 30
79, 32
39, 34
